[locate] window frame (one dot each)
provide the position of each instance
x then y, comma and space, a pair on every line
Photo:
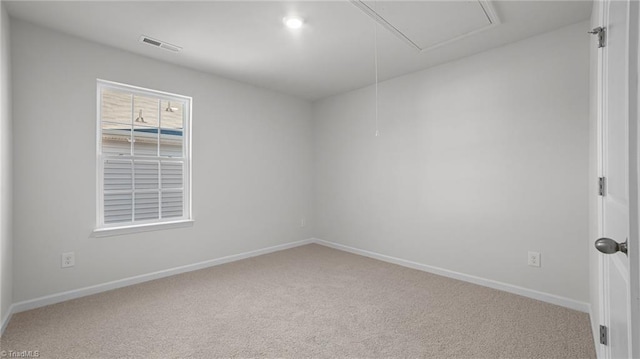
109, 229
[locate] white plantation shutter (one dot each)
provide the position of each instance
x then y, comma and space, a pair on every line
118, 175
118, 207
146, 174
172, 174
143, 163
147, 206
172, 204
118, 194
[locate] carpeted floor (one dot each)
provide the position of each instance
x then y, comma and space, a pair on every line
306, 302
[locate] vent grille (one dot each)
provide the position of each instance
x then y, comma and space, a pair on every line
161, 44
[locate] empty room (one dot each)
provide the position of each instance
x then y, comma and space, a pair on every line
319, 179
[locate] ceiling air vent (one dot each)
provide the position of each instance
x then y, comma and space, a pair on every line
161, 44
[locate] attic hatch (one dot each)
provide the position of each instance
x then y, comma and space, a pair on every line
426, 25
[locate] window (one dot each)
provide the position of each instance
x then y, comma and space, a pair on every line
143, 157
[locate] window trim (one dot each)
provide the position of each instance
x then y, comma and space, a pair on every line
101, 229
139, 228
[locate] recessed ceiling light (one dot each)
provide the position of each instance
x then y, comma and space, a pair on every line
293, 22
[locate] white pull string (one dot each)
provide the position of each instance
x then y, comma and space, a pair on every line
375, 47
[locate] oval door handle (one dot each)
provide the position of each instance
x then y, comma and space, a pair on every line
609, 246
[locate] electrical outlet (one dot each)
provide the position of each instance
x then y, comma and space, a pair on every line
68, 260
534, 259
303, 222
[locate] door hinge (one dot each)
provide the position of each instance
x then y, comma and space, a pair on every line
601, 185
603, 335
602, 33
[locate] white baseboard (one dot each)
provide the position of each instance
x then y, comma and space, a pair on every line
103, 287
98, 288
6, 319
525, 292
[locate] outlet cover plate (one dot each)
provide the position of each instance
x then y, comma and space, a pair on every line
534, 259
68, 260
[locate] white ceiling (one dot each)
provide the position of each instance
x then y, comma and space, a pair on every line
332, 53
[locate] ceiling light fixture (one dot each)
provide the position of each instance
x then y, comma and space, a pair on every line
293, 22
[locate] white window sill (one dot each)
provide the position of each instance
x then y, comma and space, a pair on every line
116, 231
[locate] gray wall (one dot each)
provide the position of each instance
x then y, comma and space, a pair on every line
6, 236
251, 165
478, 162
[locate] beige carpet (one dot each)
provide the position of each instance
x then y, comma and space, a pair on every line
306, 302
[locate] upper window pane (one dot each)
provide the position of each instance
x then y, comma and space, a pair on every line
116, 113
145, 125
146, 110
172, 114
116, 138
145, 140
116, 107
171, 133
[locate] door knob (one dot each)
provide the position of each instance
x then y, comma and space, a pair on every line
609, 246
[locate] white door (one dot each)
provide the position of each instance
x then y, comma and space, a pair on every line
615, 167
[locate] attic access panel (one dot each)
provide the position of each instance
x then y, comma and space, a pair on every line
426, 25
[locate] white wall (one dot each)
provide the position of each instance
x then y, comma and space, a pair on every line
6, 237
251, 165
478, 161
